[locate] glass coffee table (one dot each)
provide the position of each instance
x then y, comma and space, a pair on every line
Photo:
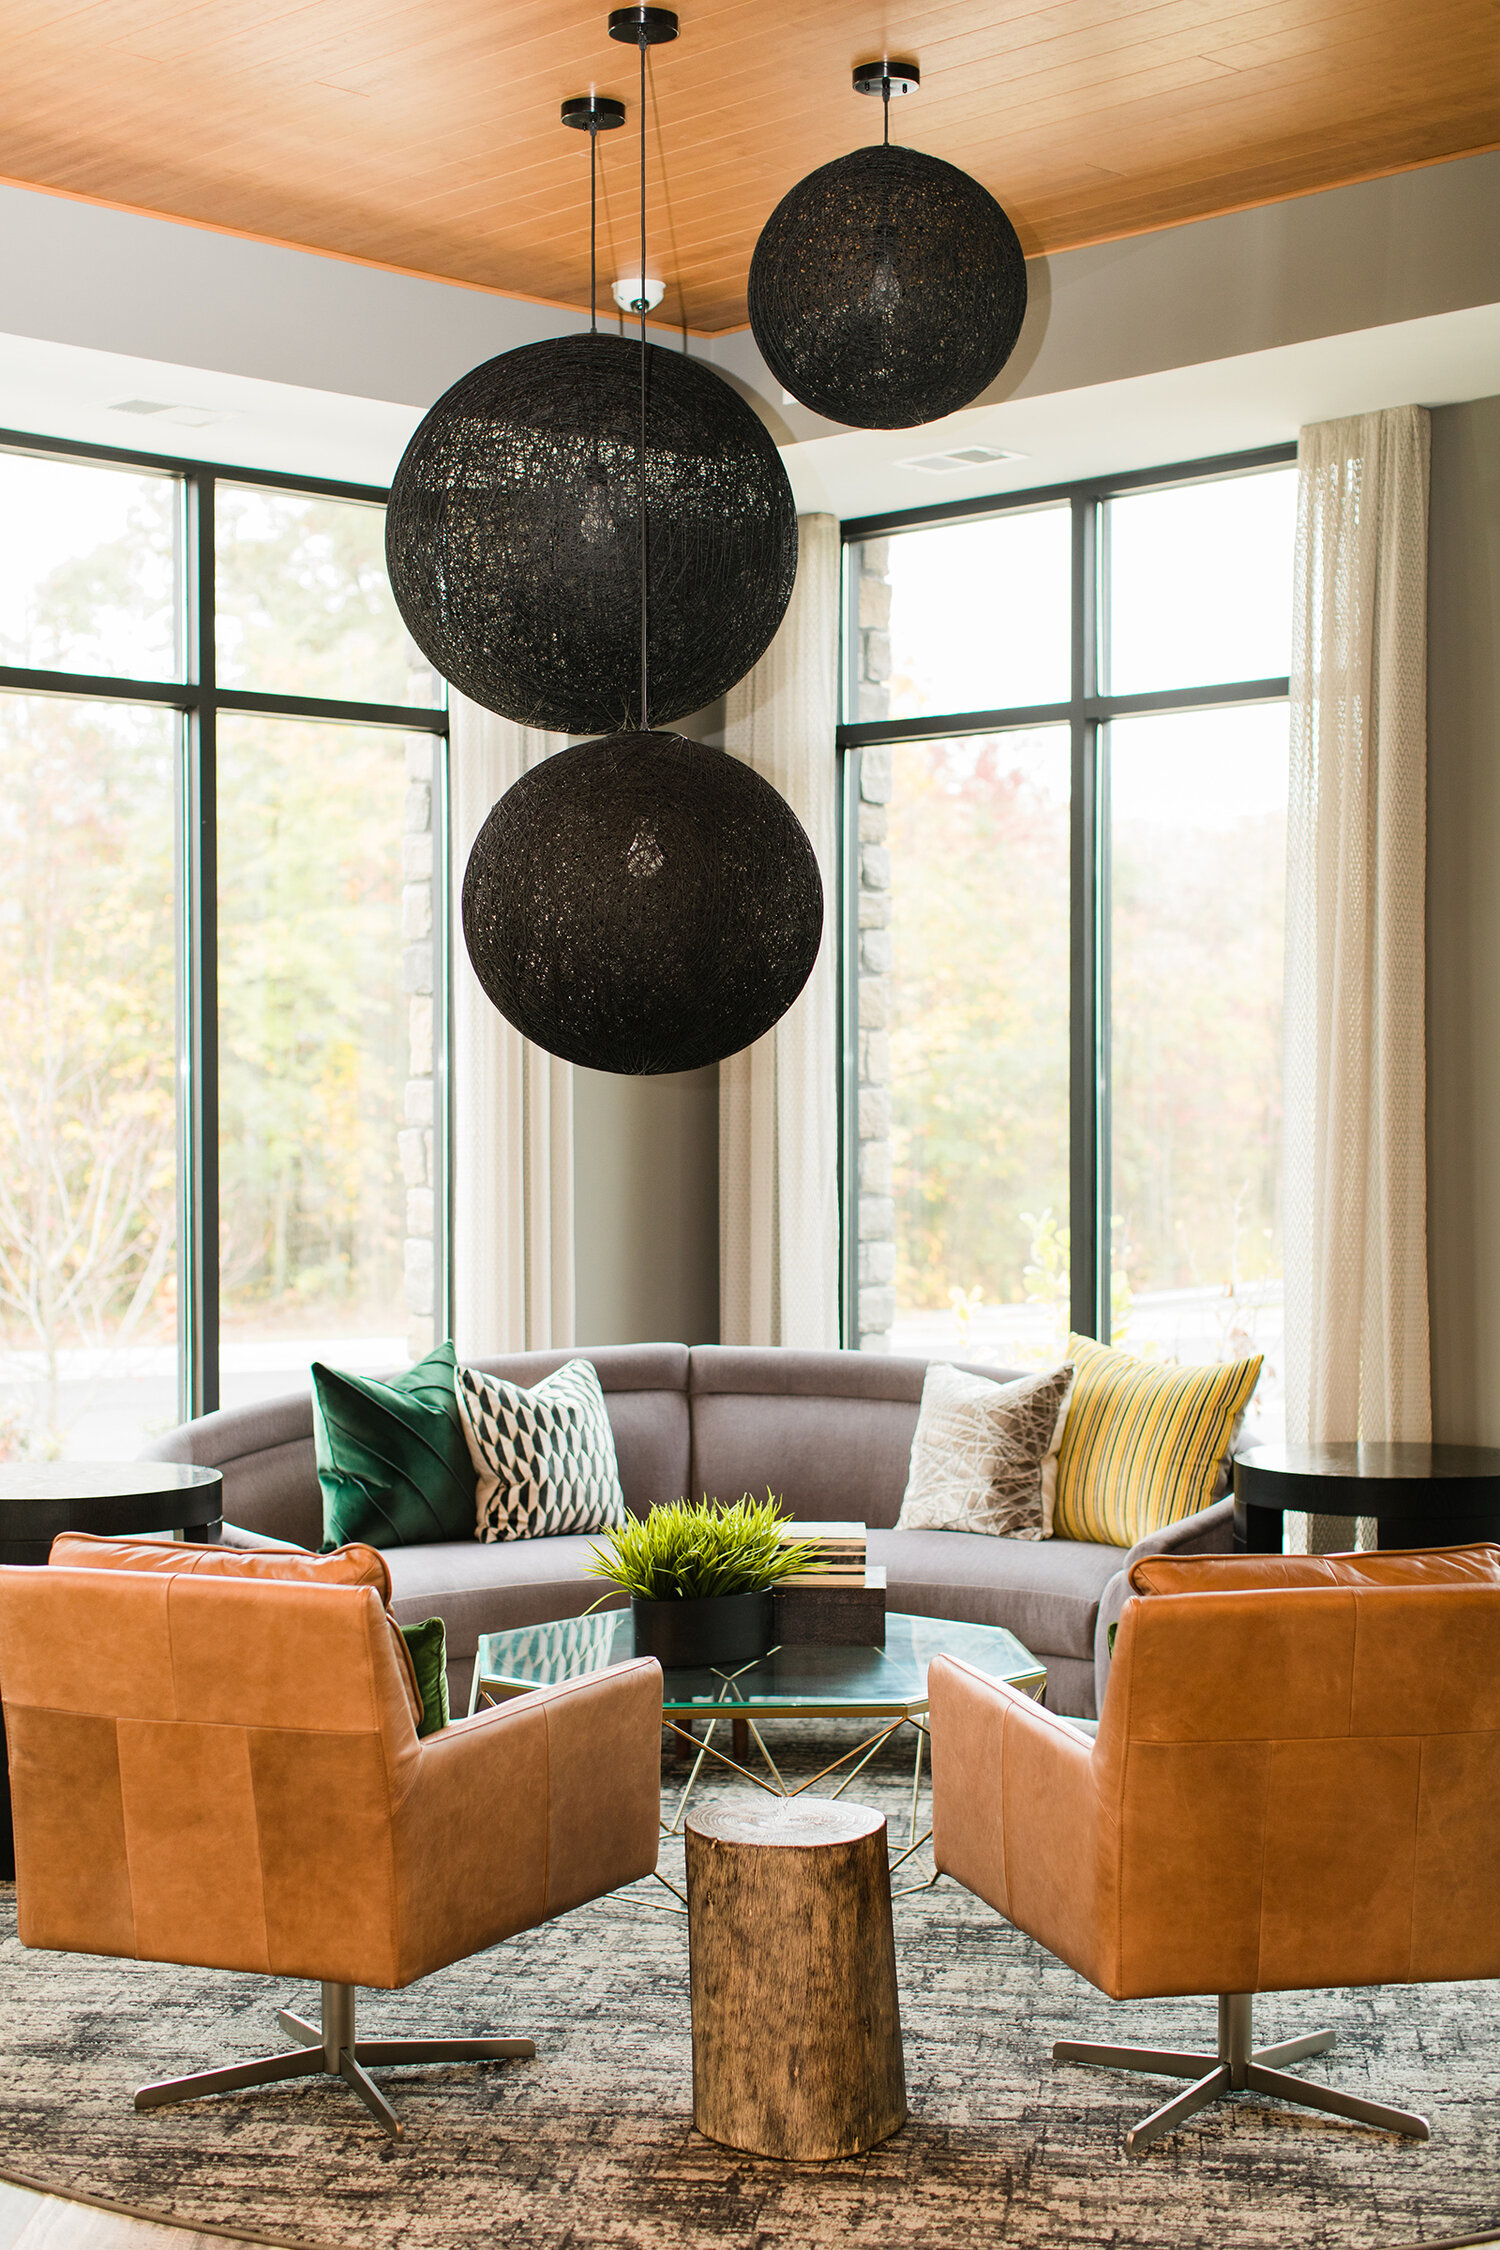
887, 1685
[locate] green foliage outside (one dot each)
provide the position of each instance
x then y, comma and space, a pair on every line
88, 1221
979, 1031
979, 1028
693, 1550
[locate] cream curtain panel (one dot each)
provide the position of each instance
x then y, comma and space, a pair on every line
512, 1104
1356, 1147
778, 1101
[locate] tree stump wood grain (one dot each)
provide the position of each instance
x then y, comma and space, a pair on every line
796, 2029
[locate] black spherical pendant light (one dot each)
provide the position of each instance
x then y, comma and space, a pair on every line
642, 904
511, 534
513, 519
887, 288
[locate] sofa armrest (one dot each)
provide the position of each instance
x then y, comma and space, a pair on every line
1209, 1532
1015, 1811
235, 1535
527, 1809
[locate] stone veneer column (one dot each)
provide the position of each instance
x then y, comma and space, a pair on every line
415, 1139
877, 1210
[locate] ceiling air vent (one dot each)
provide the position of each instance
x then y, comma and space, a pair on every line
185, 417
961, 457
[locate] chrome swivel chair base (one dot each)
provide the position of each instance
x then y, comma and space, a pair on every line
333, 2048
1237, 2067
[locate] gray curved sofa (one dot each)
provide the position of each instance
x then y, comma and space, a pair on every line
829, 1431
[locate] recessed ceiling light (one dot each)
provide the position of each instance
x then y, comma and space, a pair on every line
139, 406
961, 457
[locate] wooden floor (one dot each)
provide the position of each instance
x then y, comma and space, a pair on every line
47, 2222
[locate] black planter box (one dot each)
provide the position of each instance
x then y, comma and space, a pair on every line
726, 1629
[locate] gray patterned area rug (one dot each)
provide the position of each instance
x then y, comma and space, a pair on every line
591, 2146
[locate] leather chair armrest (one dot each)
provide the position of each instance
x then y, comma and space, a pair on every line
1015, 1810
525, 1810
1209, 1532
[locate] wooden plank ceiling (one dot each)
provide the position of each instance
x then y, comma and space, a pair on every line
426, 136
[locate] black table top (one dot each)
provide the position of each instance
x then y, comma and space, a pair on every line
48, 1482
1371, 1459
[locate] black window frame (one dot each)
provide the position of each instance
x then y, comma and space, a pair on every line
1085, 712
198, 700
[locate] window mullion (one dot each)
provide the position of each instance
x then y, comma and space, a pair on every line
198, 1253
1088, 1001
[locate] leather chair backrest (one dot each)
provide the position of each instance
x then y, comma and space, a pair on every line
828, 1432
203, 1767
352, 1565
1300, 1768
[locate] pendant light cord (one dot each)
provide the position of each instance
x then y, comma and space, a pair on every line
641, 465
593, 223
885, 99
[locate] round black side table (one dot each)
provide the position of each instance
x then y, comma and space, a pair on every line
1419, 1495
38, 1499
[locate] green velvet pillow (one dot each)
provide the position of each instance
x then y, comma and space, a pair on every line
427, 1645
393, 1460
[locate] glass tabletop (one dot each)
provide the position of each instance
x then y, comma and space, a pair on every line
796, 1681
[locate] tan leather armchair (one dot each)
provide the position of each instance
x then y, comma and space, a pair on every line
1295, 1783
223, 1769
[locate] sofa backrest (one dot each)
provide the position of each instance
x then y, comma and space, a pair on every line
828, 1432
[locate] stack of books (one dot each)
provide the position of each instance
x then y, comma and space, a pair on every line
840, 1557
840, 1600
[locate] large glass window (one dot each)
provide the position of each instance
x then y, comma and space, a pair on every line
221, 1055
88, 1143
979, 615
1197, 886
1064, 933
313, 1057
979, 1042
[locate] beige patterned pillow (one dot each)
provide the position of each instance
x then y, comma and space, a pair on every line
976, 1457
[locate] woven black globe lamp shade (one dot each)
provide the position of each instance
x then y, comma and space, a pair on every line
513, 534
887, 289
642, 904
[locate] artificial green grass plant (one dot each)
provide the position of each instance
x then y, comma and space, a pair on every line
693, 1551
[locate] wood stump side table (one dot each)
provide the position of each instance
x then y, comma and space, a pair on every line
796, 2027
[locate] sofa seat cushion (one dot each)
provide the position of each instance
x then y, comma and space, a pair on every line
479, 1586
1044, 1591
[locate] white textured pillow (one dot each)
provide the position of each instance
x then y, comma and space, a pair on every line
977, 1455
544, 1458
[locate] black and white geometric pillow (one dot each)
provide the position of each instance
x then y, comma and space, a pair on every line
544, 1459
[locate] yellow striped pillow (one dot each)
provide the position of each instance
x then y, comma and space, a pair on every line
1142, 1443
